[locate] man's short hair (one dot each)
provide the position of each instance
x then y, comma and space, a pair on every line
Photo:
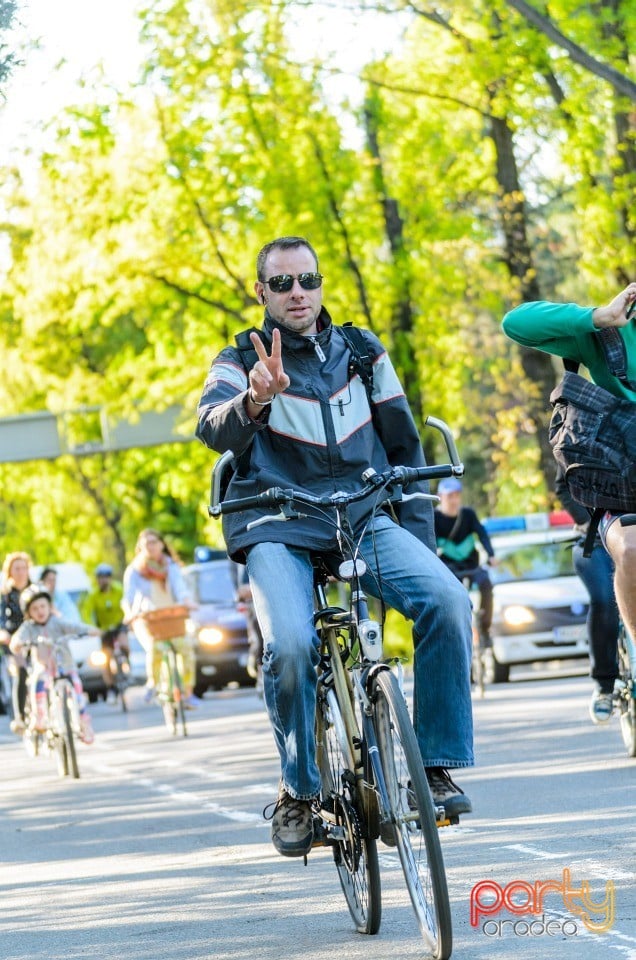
282, 243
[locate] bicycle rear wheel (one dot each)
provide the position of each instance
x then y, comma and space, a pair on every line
171, 696
354, 852
412, 814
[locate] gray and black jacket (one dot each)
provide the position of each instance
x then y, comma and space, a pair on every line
318, 436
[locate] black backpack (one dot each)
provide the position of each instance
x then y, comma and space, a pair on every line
593, 435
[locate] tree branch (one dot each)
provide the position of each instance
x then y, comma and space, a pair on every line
615, 78
195, 295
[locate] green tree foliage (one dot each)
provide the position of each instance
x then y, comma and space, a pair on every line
483, 165
7, 55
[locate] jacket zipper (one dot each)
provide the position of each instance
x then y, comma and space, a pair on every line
319, 351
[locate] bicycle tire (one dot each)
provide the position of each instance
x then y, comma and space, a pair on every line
68, 736
55, 735
356, 858
626, 701
177, 692
628, 726
412, 814
168, 705
477, 663
121, 686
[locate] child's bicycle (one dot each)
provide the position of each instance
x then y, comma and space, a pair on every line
63, 721
373, 780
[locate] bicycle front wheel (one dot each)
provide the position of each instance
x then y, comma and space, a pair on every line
628, 726
168, 704
354, 852
477, 664
412, 814
65, 693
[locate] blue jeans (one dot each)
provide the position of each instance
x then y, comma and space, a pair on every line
597, 573
414, 582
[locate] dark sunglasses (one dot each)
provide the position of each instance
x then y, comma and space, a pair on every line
285, 281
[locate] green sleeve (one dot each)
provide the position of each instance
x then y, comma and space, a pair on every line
565, 329
559, 328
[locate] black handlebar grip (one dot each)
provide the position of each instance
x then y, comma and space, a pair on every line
268, 498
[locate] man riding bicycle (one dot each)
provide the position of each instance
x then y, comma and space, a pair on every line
458, 529
297, 414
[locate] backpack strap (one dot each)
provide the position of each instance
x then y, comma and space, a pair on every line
592, 530
246, 349
615, 354
360, 361
456, 525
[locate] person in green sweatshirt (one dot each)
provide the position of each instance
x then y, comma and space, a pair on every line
568, 330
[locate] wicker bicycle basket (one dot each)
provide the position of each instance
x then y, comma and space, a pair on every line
167, 623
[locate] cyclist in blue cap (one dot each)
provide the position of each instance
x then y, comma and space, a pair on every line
457, 530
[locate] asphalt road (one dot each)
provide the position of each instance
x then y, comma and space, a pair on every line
160, 849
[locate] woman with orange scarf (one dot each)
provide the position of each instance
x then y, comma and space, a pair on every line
152, 581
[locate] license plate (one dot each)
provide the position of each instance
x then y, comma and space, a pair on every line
243, 658
208, 671
574, 633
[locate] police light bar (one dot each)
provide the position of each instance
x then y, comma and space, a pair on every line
528, 521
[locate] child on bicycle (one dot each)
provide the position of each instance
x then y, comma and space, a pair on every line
46, 635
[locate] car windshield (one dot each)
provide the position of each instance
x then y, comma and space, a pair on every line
539, 561
214, 584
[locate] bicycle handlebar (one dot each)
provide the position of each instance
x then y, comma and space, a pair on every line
277, 496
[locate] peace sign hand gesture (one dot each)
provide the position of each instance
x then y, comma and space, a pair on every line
267, 377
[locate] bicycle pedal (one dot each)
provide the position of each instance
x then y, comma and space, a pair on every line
442, 819
447, 821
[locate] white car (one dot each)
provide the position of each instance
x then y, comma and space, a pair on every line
540, 604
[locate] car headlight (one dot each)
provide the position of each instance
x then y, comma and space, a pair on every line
210, 636
518, 616
98, 659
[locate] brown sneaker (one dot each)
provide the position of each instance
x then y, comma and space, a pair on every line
447, 794
292, 825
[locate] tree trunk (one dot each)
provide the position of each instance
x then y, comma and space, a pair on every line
518, 256
402, 320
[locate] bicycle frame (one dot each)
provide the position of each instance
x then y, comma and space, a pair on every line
346, 686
